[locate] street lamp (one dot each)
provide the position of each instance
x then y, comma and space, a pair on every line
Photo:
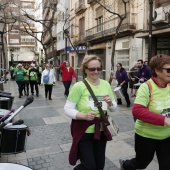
41, 56
66, 32
150, 30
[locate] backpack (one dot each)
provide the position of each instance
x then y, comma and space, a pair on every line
46, 77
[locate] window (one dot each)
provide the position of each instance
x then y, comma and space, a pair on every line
99, 22
26, 5
14, 32
27, 39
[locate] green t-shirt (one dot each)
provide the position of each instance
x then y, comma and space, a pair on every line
160, 101
33, 75
80, 95
19, 74
26, 77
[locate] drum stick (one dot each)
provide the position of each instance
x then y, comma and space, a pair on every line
6, 115
136, 77
29, 100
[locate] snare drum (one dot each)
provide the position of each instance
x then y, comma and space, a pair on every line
118, 92
13, 139
13, 166
137, 85
4, 112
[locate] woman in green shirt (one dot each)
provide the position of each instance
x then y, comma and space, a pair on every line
19, 78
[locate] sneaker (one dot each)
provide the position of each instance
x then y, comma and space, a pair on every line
122, 161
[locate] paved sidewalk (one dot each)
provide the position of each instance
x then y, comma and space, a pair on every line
48, 146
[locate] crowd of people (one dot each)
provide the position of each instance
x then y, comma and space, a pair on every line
150, 109
29, 76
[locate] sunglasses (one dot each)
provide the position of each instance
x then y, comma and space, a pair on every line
94, 69
167, 70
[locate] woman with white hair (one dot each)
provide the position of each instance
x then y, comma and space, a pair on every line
49, 83
19, 78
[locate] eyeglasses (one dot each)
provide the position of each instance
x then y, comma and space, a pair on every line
167, 70
94, 69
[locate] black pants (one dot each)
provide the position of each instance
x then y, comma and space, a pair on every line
20, 87
145, 149
67, 87
26, 87
32, 84
91, 153
125, 93
48, 90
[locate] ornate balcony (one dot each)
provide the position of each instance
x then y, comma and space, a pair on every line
107, 29
80, 39
80, 7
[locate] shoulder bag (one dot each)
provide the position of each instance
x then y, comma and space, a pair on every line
108, 121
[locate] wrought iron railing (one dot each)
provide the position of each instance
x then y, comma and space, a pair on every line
107, 28
80, 5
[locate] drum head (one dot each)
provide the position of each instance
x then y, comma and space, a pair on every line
13, 166
117, 88
16, 127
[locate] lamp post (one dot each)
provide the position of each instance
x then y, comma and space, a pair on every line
41, 56
150, 30
66, 32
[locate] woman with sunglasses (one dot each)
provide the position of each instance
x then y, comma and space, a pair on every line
122, 78
89, 134
152, 110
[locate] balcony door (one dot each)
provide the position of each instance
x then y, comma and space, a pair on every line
81, 28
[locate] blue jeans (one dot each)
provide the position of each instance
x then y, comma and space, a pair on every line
67, 87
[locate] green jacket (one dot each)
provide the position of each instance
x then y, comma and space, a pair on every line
26, 76
19, 74
33, 76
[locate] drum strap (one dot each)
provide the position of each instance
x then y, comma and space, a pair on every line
97, 103
150, 91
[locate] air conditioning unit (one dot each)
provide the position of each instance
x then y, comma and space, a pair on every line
160, 15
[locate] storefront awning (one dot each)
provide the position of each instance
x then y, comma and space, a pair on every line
158, 33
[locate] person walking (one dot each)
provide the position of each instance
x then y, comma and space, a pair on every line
48, 85
33, 79
152, 110
12, 69
89, 133
132, 74
26, 80
143, 73
122, 78
19, 78
67, 75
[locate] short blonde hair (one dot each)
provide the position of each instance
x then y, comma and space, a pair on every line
86, 60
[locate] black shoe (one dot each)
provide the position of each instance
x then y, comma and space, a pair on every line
37, 95
121, 161
27, 94
119, 103
128, 105
50, 98
19, 96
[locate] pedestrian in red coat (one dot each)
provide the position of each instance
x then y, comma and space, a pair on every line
68, 74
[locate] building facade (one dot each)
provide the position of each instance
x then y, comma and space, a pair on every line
49, 30
21, 45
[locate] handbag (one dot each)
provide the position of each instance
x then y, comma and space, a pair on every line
108, 121
46, 77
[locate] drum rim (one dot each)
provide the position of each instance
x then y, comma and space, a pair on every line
15, 164
117, 88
